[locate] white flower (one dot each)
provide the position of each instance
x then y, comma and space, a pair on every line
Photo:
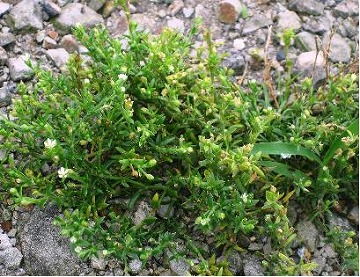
122, 89
244, 197
285, 156
78, 249
63, 172
141, 63
49, 143
171, 68
123, 77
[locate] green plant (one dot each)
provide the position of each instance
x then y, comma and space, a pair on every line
344, 244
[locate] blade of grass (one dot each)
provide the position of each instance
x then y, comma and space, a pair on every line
284, 170
284, 148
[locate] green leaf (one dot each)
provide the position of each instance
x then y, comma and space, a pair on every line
353, 128
284, 148
284, 170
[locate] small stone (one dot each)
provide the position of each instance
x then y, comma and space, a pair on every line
239, 44
235, 263
62, 3
141, 212
329, 252
165, 211
353, 215
176, 24
118, 271
317, 25
321, 262
236, 62
96, 4
49, 43
109, 7
175, 7
256, 22
11, 258
3, 56
255, 246
280, 56
76, 13
288, 20
145, 22
161, 13
53, 34
135, 266
308, 233
69, 43
6, 38
4, 8
50, 8
305, 41
4, 239
40, 36
340, 50
98, 263
59, 56
26, 15
306, 60
351, 27
229, 11
19, 70
311, 7
188, 12
347, 8
179, 267
252, 266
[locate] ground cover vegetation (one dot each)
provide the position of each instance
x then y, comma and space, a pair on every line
147, 118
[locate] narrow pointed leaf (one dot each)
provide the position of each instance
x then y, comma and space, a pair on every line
284, 148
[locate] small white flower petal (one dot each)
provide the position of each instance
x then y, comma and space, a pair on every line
49, 143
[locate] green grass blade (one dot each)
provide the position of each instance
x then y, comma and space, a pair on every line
353, 129
284, 148
285, 170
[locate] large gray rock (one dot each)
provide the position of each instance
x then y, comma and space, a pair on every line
347, 8
252, 266
50, 8
59, 56
179, 267
305, 41
3, 56
4, 242
336, 221
308, 233
311, 7
45, 251
318, 25
4, 8
19, 70
340, 50
26, 16
76, 13
256, 22
288, 20
11, 258
6, 38
235, 263
5, 100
